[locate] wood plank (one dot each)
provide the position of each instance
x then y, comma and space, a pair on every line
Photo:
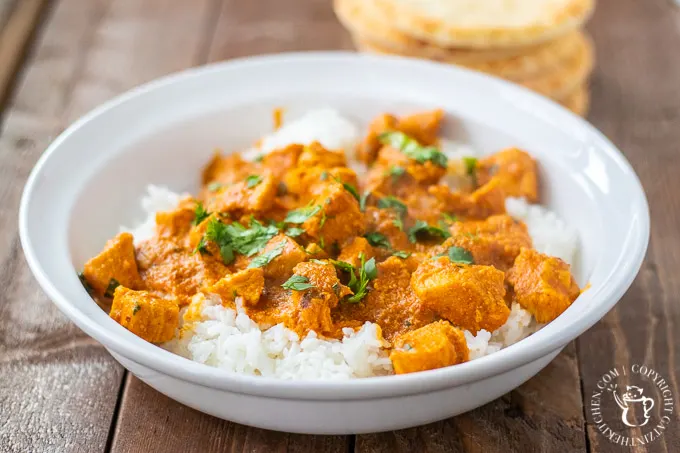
241, 28
543, 415
636, 102
271, 26
60, 387
153, 422
18, 19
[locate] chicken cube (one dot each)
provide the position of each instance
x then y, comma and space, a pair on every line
352, 251
315, 155
227, 169
115, 264
150, 317
423, 126
178, 221
504, 236
281, 266
367, 150
247, 284
301, 180
436, 345
255, 194
169, 268
279, 161
515, 170
542, 284
469, 296
338, 216
312, 306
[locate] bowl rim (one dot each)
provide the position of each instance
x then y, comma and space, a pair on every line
606, 296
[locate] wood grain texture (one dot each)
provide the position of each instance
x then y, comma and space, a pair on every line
543, 415
59, 388
150, 421
18, 19
636, 103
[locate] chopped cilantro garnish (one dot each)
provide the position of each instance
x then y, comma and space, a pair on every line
235, 237
253, 180
422, 228
136, 308
414, 150
401, 254
471, 168
324, 175
349, 188
113, 284
302, 214
266, 257
398, 223
358, 278
201, 247
294, 232
377, 240
200, 214
393, 203
215, 186
85, 283
395, 172
297, 283
259, 157
460, 255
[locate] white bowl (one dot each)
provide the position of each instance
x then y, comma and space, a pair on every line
89, 180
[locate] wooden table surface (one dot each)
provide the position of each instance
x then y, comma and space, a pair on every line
60, 391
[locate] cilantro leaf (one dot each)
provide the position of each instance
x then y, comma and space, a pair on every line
200, 214
391, 202
414, 150
349, 188
378, 240
84, 282
460, 255
401, 254
113, 284
398, 223
253, 180
395, 172
358, 278
471, 168
422, 228
294, 232
215, 186
259, 157
359, 286
302, 214
234, 237
266, 257
297, 283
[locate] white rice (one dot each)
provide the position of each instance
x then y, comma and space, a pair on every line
550, 234
227, 339
325, 126
230, 340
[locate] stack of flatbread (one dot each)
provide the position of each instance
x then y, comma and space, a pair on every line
536, 43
